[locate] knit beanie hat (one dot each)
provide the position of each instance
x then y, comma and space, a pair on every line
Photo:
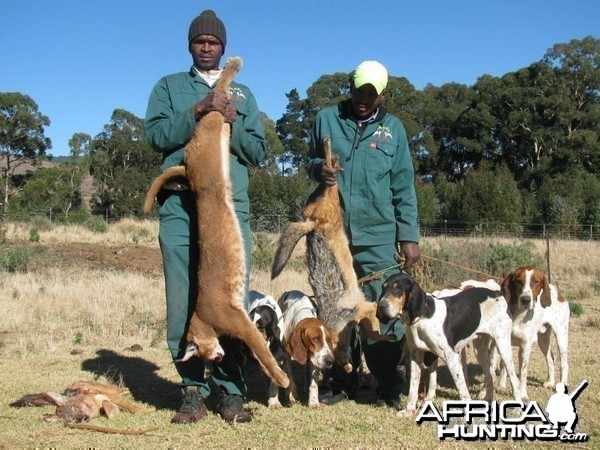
208, 23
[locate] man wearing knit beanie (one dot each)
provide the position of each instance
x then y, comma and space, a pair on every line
177, 103
208, 23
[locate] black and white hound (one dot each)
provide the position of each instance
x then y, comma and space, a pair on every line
443, 327
266, 314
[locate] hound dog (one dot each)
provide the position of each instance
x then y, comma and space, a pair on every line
221, 272
341, 302
467, 284
266, 314
537, 310
306, 340
443, 327
449, 292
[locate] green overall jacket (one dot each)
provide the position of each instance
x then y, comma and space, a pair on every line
170, 124
377, 191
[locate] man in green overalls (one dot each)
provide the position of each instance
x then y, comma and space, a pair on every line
177, 103
379, 205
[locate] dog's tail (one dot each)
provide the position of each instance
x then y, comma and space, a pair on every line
159, 182
287, 243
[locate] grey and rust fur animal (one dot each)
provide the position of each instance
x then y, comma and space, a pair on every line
339, 298
221, 274
83, 401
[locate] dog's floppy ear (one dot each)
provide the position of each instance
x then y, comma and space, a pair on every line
296, 348
416, 304
506, 288
275, 346
546, 298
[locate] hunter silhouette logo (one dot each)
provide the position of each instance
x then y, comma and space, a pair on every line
561, 406
481, 420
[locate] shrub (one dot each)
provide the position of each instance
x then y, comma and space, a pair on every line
77, 216
78, 338
505, 258
263, 251
158, 335
34, 235
97, 225
455, 262
14, 260
438, 274
576, 309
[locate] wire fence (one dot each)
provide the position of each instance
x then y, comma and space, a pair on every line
447, 228
525, 231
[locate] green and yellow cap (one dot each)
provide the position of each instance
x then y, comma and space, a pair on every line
371, 72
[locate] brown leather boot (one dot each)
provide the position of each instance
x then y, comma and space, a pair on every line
192, 406
231, 408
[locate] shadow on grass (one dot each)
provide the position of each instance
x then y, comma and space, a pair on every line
446, 383
138, 375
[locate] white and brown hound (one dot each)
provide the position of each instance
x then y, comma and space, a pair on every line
306, 340
443, 327
537, 310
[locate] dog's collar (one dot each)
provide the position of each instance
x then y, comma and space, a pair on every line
299, 310
270, 302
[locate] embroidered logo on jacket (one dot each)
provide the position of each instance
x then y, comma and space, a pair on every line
383, 133
236, 94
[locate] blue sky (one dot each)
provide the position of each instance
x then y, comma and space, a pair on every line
81, 59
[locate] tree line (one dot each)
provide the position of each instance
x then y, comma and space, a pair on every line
516, 149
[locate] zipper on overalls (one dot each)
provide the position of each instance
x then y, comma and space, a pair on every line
360, 128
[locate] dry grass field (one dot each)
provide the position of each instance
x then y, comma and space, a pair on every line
86, 299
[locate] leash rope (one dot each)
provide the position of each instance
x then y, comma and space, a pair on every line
378, 274
465, 268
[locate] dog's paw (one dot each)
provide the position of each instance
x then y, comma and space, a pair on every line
291, 399
481, 395
406, 413
274, 404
